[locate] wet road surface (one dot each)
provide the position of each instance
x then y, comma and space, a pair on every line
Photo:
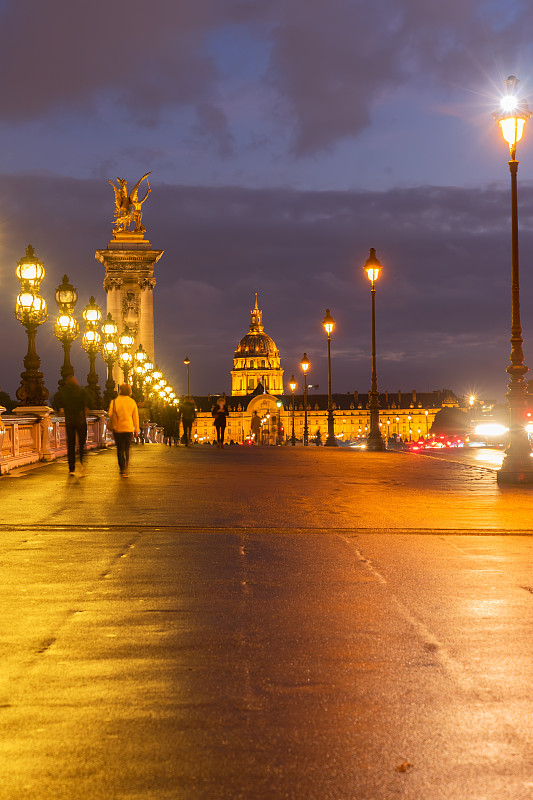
266, 623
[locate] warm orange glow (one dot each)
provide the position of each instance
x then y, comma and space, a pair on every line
30, 269
91, 338
512, 115
304, 363
372, 267
66, 325
92, 314
109, 328
292, 384
512, 130
140, 355
30, 304
373, 274
126, 339
328, 322
109, 350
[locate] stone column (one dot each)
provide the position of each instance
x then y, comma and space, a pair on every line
129, 281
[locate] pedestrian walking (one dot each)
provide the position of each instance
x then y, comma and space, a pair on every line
255, 427
124, 422
74, 403
144, 419
188, 415
220, 414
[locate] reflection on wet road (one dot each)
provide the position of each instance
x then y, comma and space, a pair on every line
490, 457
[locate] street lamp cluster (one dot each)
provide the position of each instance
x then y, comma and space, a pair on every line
98, 339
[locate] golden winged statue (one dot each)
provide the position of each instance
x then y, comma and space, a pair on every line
128, 207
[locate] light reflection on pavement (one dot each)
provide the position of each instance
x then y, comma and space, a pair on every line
490, 457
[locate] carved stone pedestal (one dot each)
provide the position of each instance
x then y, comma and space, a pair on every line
129, 282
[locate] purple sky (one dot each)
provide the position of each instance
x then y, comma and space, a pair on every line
285, 138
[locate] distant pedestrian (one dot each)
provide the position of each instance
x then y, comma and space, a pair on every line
124, 417
188, 415
255, 427
220, 414
74, 403
144, 419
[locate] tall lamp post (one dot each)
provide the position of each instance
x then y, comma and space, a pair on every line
91, 343
374, 440
31, 311
140, 357
126, 341
187, 363
292, 385
517, 466
109, 354
329, 323
66, 328
304, 363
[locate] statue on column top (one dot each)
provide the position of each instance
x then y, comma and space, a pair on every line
128, 207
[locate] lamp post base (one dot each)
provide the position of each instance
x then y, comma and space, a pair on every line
516, 471
331, 440
374, 442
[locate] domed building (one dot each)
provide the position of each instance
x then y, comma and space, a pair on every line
256, 360
257, 389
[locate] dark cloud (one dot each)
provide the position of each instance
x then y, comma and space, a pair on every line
331, 63
443, 302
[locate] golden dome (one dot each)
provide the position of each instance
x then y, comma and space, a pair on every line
256, 342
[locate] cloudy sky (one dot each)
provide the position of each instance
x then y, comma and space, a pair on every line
285, 138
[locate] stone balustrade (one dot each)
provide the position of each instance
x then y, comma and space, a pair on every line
39, 435
27, 437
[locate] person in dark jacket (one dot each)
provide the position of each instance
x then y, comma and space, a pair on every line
220, 414
188, 415
74, 403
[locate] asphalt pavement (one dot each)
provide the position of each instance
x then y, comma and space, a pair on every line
266, 623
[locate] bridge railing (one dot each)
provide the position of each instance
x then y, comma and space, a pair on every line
27, 438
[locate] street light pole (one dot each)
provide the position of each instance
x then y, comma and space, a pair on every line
125, 358
372, 268
91, 343
66, 328
305, 366
517, 466
109, 354
329, 323
31, 311
292, 385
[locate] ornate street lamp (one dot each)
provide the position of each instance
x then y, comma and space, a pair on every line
329, 323
109, 354
517, 466
292, 385
372, 267
187, 362
91, 343
66, 328
31, 311
140, 357
125, 358
304, 363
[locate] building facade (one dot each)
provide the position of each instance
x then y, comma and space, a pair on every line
256, 360
257, 385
